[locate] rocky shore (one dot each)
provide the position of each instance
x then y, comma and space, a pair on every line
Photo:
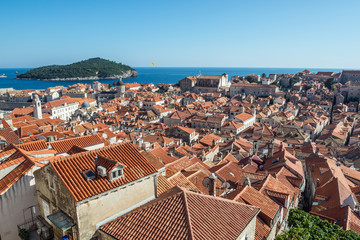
127, 74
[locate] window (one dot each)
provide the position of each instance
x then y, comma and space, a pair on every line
46, 209
114, 174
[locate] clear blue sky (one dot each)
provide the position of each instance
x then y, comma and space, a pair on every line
228, 33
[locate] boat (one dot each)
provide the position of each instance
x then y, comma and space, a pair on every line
3, 76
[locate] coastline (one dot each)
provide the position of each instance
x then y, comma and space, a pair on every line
127, 74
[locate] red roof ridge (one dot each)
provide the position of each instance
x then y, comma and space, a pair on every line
90, 151
187, 213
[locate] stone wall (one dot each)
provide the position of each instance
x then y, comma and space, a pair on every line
12, 105
15, 206
94, 213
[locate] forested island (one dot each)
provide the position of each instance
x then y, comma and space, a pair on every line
91, 69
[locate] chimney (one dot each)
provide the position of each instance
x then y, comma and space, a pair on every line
246, 181
275, 175
271, 149
212, 185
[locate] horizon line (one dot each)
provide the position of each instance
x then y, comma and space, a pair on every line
337, 68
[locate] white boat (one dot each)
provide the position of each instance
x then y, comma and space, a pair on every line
3, 76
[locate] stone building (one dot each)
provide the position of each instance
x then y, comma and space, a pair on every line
180, 214
62, 108
205, 83
354, 90
350, 75
258, 90
187, 84
188, 135
79, 193
17, 191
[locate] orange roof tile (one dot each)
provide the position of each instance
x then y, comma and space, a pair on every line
163, 185
12, 177
180, 180
182, 214
34, 145
65, 145
71, 167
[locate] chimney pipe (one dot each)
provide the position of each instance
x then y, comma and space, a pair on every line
212, 185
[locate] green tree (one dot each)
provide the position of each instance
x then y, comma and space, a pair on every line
249, 79
263, 75
308, 227
291, 82
93, 67
329, 83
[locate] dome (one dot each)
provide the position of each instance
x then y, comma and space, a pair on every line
120, 82
85, 105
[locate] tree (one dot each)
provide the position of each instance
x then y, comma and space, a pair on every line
249, 78
263, 75
291, 82
308, 227
93, 67
329, 83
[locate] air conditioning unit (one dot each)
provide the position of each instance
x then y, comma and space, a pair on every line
101, 171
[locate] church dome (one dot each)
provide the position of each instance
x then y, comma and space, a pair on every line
85, 105
120, 82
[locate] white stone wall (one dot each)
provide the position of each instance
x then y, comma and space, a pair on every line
107, 207
64, 112
18, 197
249, 231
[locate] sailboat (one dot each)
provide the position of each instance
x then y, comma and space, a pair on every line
3, 76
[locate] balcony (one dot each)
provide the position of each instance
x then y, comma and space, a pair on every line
36, 229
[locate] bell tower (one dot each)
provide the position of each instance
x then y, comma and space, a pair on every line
120, 88
37, 107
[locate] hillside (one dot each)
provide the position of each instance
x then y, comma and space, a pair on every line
91, 69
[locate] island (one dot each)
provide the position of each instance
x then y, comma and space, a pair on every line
91, 69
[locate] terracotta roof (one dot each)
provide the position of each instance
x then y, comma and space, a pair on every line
185, 129
71, 167
262, 229
9, 135
75, 149
182, 214
244, 116
157, 163
34, 145
162, 155
12, 177
163, 185
65, 145
210, 139
255, 198
180, 180
181, 164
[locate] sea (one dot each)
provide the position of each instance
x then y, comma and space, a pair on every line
154, 75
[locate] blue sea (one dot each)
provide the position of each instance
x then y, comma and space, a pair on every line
147, 75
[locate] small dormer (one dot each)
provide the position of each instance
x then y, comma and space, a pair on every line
111, 169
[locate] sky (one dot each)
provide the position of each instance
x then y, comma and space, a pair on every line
228, 33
